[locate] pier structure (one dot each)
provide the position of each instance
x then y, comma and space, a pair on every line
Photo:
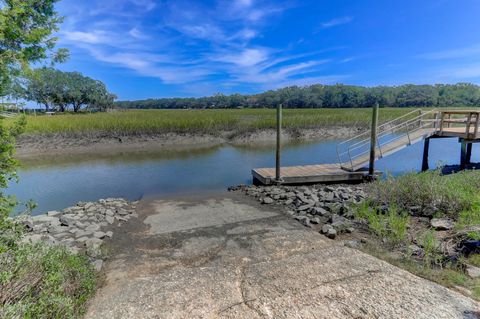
357, 156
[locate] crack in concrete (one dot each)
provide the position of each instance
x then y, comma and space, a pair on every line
368, 273
241, 289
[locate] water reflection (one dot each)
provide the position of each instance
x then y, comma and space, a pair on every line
55, 182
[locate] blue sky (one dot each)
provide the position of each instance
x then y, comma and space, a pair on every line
153, 48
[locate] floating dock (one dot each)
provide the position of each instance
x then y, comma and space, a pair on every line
355, 154
322, 173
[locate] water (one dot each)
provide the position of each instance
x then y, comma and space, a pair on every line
59, 182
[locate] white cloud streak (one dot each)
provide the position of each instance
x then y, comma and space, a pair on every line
199, 45
453, 53
336, 22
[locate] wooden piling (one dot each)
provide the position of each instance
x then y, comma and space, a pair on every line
463, 154
278, 176
468, 158
426, 147
373, 140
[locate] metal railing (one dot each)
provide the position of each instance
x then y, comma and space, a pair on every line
404, 127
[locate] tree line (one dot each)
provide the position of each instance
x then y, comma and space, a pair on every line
327, 96
61, 91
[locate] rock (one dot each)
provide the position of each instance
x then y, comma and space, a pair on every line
43, 219
329, 231
304, 220
93, 242
81, 239
83, 233
305, 207
109, 212
472, 271
109, 219
340, 223
267, 200
54, 213
319, 211
315, 220
92, 228
352, 244
97, 264
109, 234
441, 223
99, 234
67, 220
58, 229
40, 228
415, 250
27, 222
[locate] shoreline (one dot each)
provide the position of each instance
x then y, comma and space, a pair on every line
33, 145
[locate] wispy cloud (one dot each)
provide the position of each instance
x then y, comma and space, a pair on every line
336, 22
192, 44
453, 53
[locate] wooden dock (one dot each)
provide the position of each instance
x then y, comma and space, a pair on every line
355, 154
322, 173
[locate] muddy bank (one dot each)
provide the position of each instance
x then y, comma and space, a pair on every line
30, 145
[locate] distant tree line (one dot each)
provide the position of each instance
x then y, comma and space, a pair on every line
327, 96
62, 91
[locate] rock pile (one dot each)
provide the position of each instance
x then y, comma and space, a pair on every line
81, 227
326, 208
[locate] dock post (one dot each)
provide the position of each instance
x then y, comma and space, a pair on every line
373, 141
426, 146
279, 144
468, 158
463, 154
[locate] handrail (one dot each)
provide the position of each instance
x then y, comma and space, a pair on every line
352, 158
398, 125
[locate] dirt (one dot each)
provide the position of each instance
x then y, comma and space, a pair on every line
226, 256
32, 145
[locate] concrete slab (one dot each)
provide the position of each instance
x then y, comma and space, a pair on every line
259, 264
175, 216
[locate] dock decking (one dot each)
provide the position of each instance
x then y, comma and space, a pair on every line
354, 154
322, 173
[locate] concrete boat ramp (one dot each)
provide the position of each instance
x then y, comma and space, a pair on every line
226, 256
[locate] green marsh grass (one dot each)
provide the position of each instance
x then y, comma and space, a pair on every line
203, 121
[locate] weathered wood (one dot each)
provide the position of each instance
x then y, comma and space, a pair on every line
373, 140
468, 158
322, 173
463, 154
426, 147
279, 144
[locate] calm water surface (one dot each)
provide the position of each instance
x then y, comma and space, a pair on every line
60, 182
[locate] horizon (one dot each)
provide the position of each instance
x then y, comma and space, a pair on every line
147, 49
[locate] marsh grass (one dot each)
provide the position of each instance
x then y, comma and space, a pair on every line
430, 246
452, 195
456, 196
448, 275
203, 121
38, 281
393, 225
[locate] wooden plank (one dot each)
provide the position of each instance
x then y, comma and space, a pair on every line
309, 174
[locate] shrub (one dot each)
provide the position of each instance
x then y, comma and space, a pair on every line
431, 191
38, 281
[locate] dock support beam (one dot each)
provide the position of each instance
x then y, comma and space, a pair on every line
426, 147
278, 176
373, 141
463, 154
469, 153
